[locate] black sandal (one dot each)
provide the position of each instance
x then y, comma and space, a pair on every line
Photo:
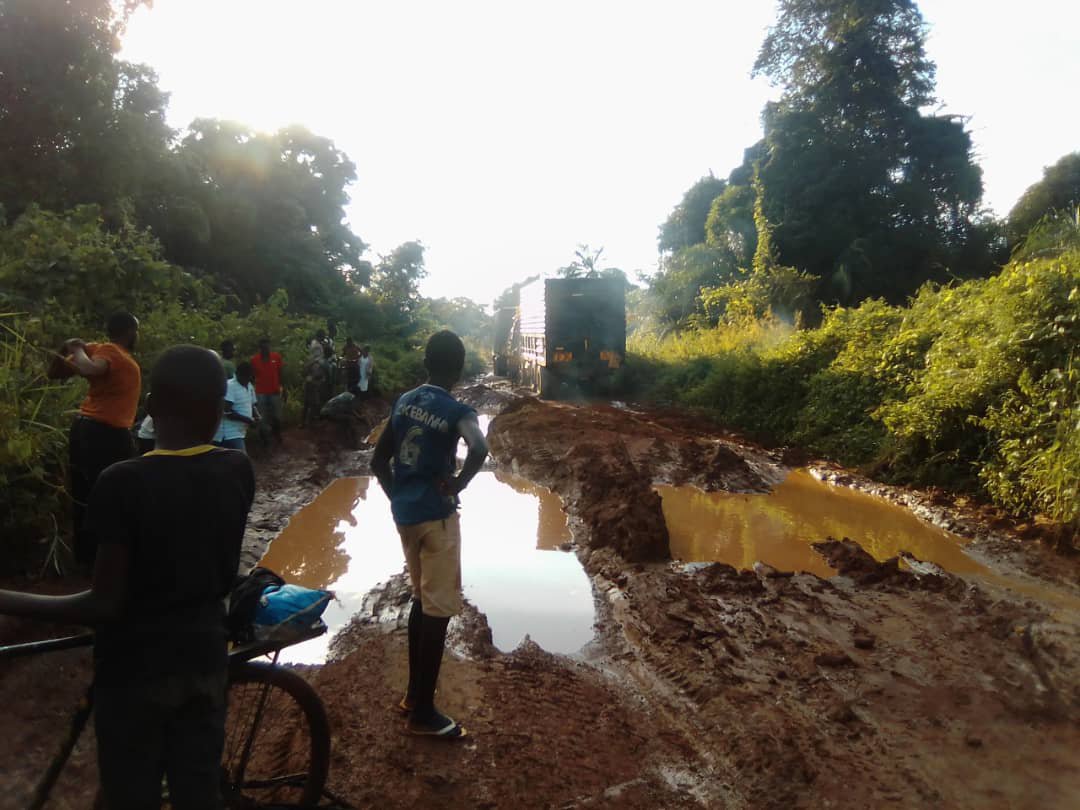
438, 726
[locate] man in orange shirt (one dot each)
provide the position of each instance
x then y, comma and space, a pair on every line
101, 433
267, 366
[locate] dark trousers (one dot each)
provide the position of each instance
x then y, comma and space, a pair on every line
352, 376
171, 726
346, 426
92, 447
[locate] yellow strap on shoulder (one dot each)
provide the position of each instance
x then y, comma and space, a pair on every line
197, 450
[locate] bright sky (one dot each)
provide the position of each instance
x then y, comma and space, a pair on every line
502, 134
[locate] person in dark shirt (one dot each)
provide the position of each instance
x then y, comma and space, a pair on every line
414, 461
228, 358
345, 410
169, 526
351, 353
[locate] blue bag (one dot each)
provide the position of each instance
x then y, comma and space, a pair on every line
291, 605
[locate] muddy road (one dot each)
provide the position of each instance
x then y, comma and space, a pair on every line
879, 681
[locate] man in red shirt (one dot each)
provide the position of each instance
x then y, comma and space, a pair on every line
267, 366
101, 433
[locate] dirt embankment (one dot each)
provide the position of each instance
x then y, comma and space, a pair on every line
879, 685
711, 687
603, 462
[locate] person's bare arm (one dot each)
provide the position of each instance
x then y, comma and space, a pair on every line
85, 365
229, 413
59, 366
101, 603
380, 459
468, 427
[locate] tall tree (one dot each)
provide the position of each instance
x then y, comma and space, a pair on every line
685, 226
261, 211
767, 288
673, 301
730, 225
1058, 190
866, 191
395, 282
76, 124
460, 315
256, 212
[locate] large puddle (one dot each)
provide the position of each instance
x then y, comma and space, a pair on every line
512, 568
778, 527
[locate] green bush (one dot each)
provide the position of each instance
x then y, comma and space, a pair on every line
33, 445
975, 385
61, 275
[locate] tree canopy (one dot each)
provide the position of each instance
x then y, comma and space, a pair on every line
1058, 190
863, 190
77, 124
254, 212
260, 212
686, 224
866, 191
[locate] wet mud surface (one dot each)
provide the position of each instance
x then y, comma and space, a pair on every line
892, 683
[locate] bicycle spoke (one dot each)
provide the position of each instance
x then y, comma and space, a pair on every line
271, 755
262, 706
292, 780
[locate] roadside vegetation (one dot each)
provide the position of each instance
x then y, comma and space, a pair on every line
843, 290
972, 386
215, 232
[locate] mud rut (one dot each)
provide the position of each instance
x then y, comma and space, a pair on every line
705, 686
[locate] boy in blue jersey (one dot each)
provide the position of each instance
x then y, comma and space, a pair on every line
414, 461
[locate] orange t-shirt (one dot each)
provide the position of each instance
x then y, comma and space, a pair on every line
113, 397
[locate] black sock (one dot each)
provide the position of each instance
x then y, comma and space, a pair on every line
432, 642
415, 617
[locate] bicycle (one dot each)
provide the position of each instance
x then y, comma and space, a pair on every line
277, 736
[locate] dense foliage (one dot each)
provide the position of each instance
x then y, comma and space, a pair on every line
1056, 194
866, 192
857, 215
253, 212
62, 274
973, 385
215, 233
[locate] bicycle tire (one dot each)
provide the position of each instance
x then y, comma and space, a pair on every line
277, 739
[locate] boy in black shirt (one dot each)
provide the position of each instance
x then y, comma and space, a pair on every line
169, 527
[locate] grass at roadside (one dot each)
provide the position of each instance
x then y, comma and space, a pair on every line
973, 386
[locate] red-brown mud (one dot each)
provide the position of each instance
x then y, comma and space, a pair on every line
891, 684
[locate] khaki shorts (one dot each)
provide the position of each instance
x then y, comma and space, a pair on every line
433, 555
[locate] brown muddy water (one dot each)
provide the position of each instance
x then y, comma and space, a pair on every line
778, 527
512, 569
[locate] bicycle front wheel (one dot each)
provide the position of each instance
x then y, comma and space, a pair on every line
277, 739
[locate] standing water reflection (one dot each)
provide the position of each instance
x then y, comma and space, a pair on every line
345, 541
778, 527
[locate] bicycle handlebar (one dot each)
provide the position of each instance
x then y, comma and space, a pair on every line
242, 652
48, 645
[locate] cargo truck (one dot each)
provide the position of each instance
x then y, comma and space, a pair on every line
566, 334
